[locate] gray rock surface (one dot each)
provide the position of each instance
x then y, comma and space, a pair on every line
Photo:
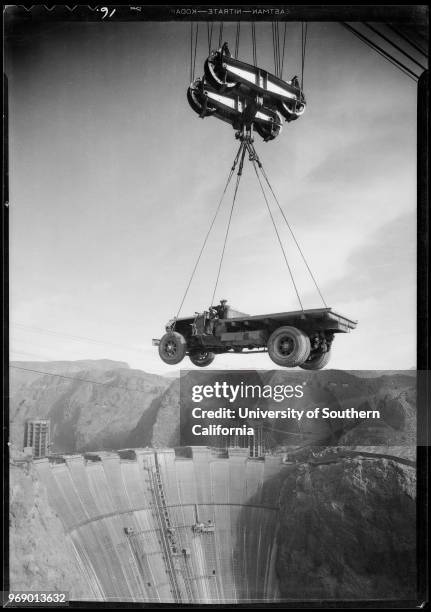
41, 555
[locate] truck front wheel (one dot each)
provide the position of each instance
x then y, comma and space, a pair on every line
172, 348
316, 362
201, 358
289, 346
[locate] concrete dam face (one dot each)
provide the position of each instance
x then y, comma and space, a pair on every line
148, 525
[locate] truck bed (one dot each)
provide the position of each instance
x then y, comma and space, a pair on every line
312, 319
325, 317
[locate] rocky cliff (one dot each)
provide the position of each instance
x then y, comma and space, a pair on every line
394, 395
91, 404
347, 523
348, 530
41, 555
106, 405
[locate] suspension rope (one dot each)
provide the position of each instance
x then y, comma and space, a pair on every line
277, 39
273, 48
265, 176
191, 52
238, 30
210, 36
254, 162
303, 45
284, 47
196, 45
220, 35
253, 42
238, 178
231, 173
276, 48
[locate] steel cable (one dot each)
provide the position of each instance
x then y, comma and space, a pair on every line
238, 178
412, 75
191, 52
410, 57
289, 228
407, 40
196, 45
220, 36
210, 36
253, 42
284, 47
209, 230
238, 30
275, 228
303, 45
277, 38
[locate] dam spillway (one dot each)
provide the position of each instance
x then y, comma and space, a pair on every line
132, 519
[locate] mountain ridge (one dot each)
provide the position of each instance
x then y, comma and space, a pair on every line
106, 405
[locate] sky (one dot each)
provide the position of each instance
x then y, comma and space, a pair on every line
114, 181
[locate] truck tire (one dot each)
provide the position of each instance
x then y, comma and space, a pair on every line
172, 348
316, 362
201, 358
288, 346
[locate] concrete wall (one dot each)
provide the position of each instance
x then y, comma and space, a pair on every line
98, 495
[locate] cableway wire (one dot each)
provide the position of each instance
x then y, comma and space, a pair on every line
284, 47
407, 40
265, 176
220, 35
210, 36
231, 173
303, 47
238, 30
275, 44
277, 29
412, 75
196, 46
278, 54
238, 178
191, 53
278, 47
86, 380
253, 42
56, 334
410, 57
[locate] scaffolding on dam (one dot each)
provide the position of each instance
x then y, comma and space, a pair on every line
155, 526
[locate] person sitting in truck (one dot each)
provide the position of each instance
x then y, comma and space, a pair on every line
222, 309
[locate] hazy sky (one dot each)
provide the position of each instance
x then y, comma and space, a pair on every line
114, 180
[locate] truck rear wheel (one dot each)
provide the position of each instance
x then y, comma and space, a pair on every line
288, 346
201, 358
316, 362
172, 348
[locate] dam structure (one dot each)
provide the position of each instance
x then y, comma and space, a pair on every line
155, 526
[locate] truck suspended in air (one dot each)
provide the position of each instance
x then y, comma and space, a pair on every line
245, 95
298, 338
251, 100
